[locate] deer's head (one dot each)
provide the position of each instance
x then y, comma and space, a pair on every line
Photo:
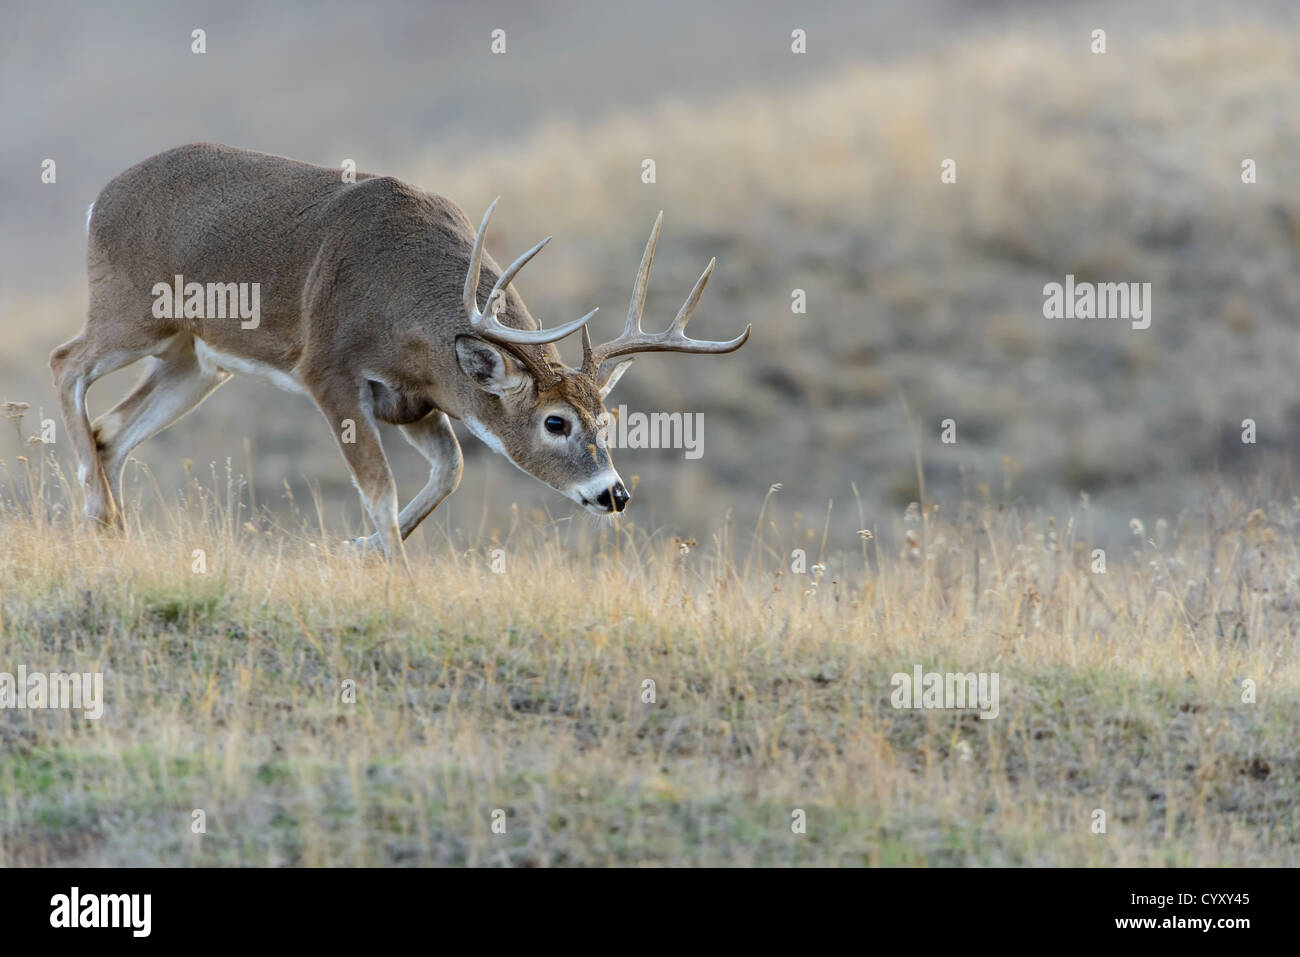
550, 419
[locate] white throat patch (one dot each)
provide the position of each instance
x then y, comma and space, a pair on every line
483, 435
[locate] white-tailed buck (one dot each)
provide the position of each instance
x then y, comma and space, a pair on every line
372, 297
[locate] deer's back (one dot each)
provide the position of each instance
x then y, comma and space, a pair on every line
217, 214
212, 213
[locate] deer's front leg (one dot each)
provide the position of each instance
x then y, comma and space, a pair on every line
433, 437
351, 418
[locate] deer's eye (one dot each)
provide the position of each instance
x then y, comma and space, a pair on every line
556, 425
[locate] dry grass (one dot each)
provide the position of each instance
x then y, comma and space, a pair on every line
522, 691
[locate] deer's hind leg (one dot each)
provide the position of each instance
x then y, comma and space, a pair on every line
175, 382
98, 350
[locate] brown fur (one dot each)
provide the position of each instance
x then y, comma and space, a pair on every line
361, 307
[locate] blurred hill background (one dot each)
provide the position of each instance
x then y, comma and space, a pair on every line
817, 172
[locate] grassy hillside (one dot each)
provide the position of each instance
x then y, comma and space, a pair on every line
514, 680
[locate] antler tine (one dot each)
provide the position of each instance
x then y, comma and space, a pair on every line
587, 364
490, 327
672, 339
475, 263
486, 323
642, 285
688, 307
676, 333
512, 270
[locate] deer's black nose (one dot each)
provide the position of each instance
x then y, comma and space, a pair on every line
615, 499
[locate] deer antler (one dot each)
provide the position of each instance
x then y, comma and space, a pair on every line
673, 339
486, 324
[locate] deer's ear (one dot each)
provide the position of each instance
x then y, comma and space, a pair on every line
612, 379
488, 367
